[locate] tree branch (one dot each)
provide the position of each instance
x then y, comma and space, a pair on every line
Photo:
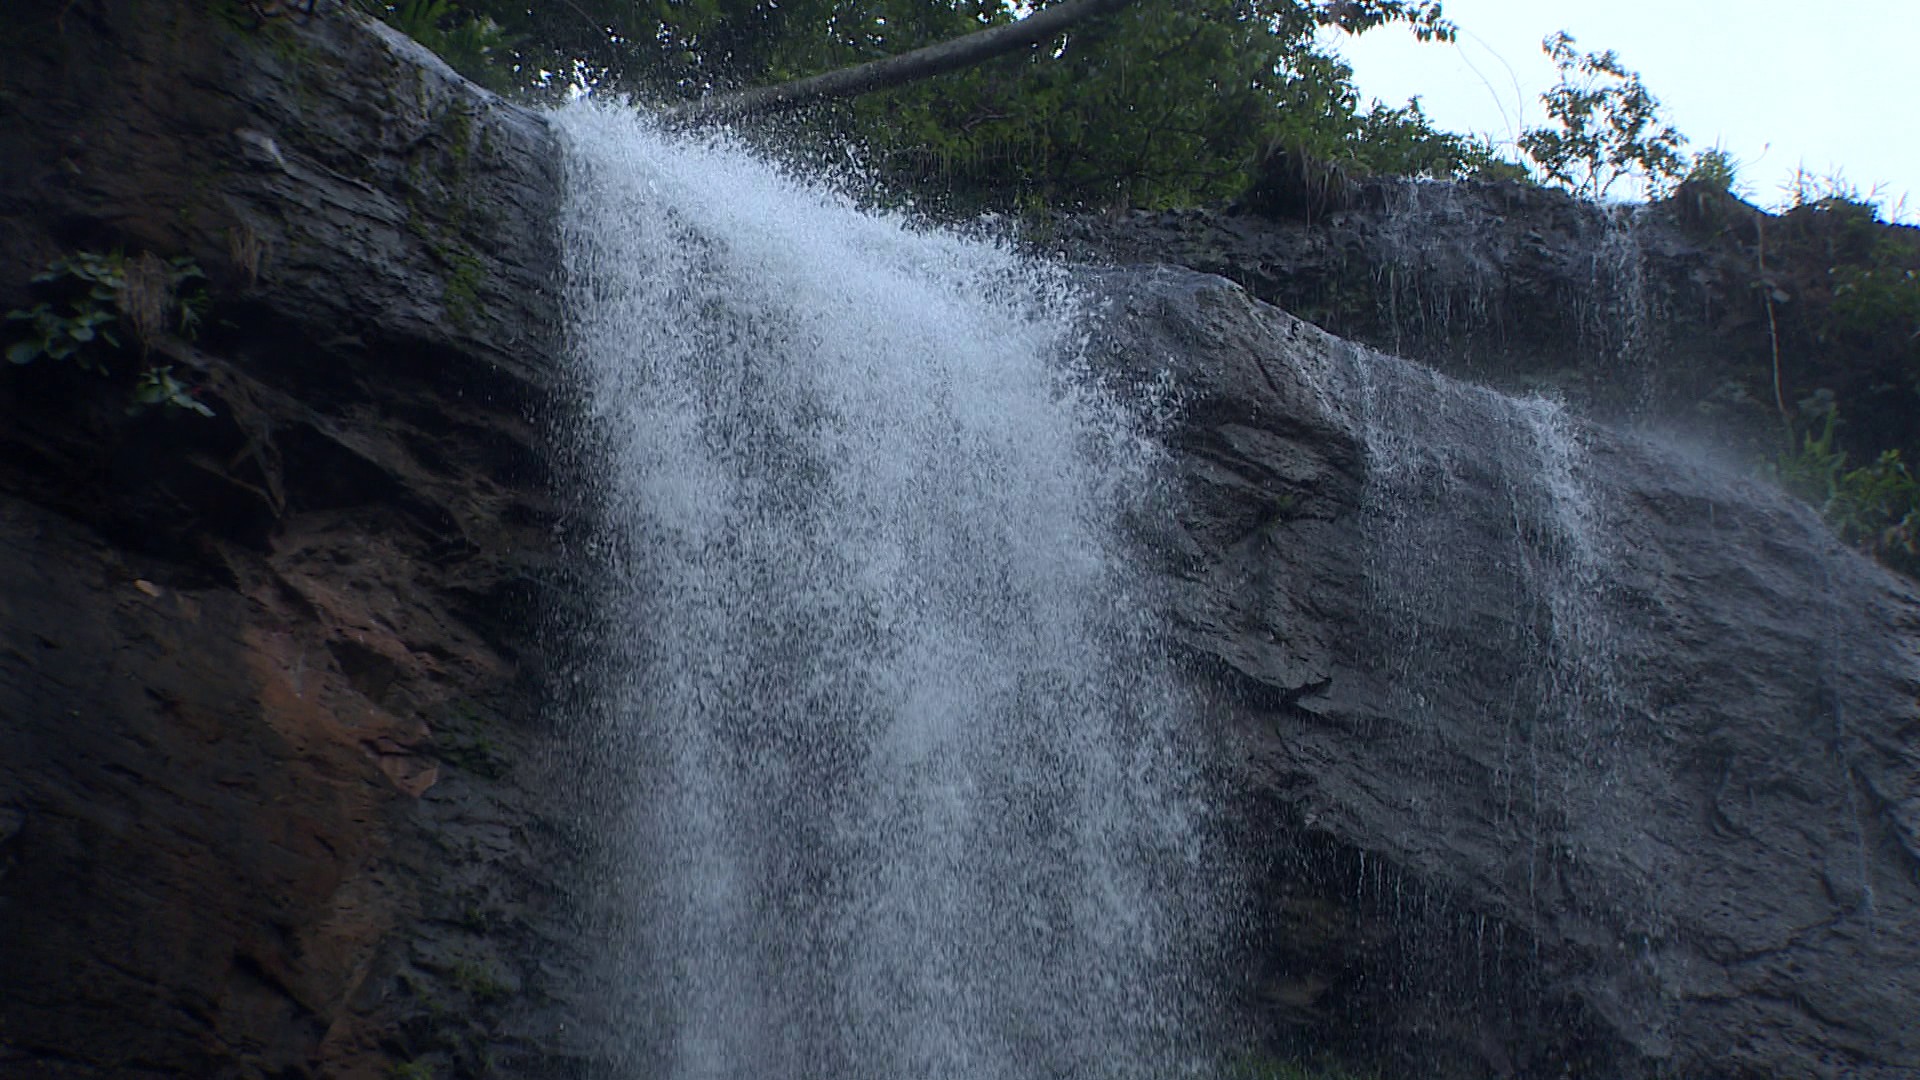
961, 52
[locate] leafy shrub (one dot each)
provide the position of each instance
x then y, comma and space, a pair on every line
84, 312
1881, 294
157, 386
1875, 508
93, 300
1714, 169
1404, 142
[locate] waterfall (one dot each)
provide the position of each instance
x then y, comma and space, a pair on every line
904, 789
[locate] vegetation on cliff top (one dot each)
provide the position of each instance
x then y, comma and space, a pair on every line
1155, 105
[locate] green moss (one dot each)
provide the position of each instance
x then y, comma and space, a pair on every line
459, 137
417, 986
440, 181
474, 919
290, 50
480, 981
233, 15
478, 756
461, 294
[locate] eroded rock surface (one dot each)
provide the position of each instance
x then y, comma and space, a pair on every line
267, 677
1564, 751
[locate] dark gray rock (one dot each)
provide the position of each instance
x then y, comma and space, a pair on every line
1497, 282
1561, 750
1698, 313
325, 170
271, 680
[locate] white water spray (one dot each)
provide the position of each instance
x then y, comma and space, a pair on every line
906, 794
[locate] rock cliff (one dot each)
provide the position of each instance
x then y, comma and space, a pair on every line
266, 675
1554, 752
1699, 313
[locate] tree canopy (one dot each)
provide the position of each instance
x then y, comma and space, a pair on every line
1163, 102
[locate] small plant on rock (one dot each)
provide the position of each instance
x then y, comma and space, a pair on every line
1715, 169
1875, 508
157, 386
96, 302
481, 981
84, 313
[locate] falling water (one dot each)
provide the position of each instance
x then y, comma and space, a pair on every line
1515, 619
905, 792
1454, 281
1620, 313
1435, 279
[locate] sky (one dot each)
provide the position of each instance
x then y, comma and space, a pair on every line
1780, 84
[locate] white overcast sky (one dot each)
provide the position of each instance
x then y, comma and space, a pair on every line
1828, 85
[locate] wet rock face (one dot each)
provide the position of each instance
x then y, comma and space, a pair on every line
1653, 315
1496, 282
1559, 750
268, 677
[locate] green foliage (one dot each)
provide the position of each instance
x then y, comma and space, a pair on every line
87, 288
1879, 295
1158, 104
157, 386
1404, 142
475, 45
1714, 169
1871, 286
1607, 126
480, 981
92, 297
479, 756
410, 1070
1834, 193
1875, 508
61, 335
